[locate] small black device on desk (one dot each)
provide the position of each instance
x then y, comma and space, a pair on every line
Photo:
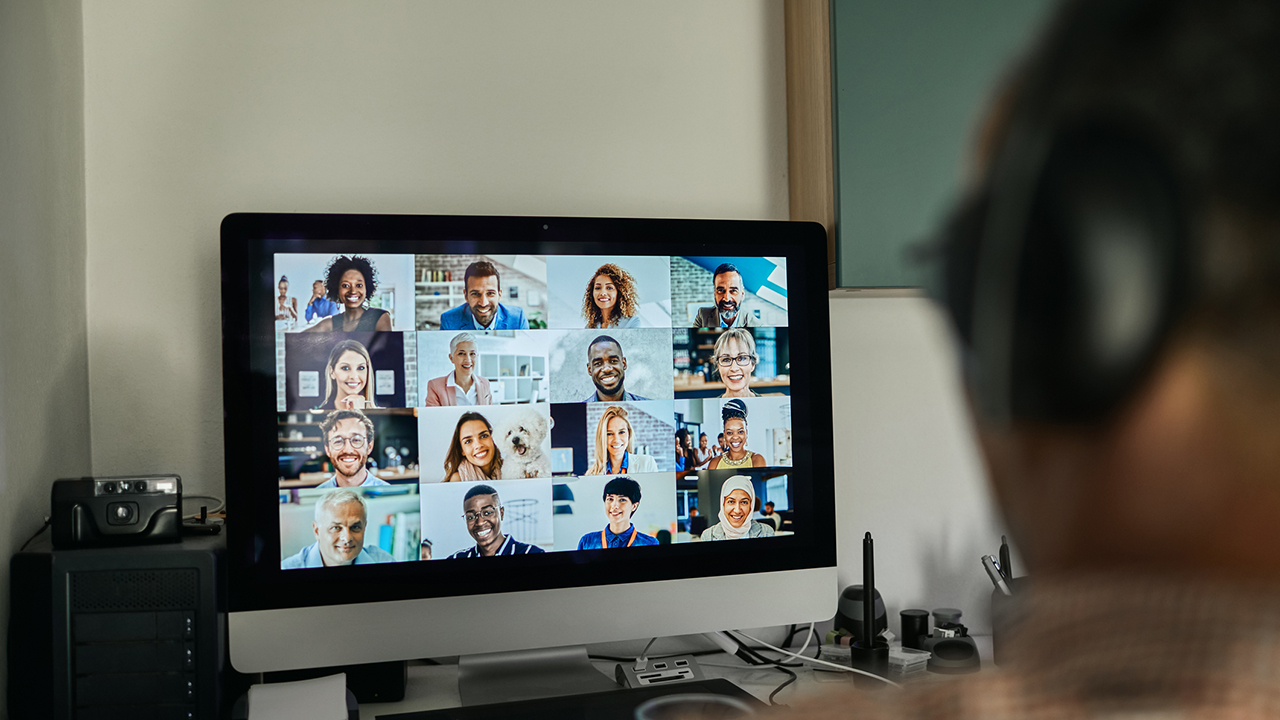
89, 512
611, 705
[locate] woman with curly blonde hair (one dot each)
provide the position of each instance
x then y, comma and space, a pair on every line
611, 299
615, 441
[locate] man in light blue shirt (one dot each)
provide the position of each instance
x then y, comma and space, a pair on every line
482, 311
341, 518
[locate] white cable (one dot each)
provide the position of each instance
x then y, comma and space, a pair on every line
819, 662
642, 661
221, 504
807, 637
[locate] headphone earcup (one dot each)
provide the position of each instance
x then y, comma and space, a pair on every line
1100, 280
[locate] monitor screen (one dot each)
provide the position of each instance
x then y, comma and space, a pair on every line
428, 406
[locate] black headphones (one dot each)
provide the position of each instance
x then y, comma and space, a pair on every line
1066, 271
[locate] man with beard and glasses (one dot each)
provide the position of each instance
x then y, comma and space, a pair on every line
483, 511
730, 295
341, 518
608, 370
348, 440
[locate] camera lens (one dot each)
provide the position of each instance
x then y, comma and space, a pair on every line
109, 488
122, 513
140, 486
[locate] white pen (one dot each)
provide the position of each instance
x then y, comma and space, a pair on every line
993, 570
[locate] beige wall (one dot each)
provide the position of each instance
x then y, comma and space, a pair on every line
44, 375
198, 109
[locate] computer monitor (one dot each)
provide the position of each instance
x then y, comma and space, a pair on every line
456, 435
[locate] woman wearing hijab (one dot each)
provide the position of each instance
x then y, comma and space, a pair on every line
737, 503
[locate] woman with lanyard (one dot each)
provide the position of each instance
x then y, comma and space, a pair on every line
737, 503
615, 445
621, 500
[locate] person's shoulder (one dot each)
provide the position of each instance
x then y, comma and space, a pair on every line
589, 541
453, 319
296, 561
766, 529
643, 539
463, 553
374, 481
645, 463
328, 484
520, 548
635, 398
514, 319
713, 533
706, 318
629, 322
375, 554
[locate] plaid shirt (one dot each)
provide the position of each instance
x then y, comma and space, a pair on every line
1106, 647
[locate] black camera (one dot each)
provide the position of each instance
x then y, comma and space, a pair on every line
116, 510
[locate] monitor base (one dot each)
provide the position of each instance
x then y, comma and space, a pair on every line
529, 674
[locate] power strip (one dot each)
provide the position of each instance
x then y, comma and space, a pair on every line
659, 671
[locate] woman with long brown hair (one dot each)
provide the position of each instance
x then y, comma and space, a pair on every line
612, 299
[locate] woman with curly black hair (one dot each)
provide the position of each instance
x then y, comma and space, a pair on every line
349, 281
611, 299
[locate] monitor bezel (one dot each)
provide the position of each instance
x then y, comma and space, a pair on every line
249, 242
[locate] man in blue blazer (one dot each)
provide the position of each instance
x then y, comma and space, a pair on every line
482, 310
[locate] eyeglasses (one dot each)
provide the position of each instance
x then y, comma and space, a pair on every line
742, 360
355, 441
486, 513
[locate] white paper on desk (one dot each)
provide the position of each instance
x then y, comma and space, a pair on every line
320, 699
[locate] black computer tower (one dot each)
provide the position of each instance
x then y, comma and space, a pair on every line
123, 632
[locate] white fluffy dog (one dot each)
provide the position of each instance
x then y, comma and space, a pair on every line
519, 438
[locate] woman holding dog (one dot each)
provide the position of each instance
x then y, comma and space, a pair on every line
615, 442
472, 452
734, 417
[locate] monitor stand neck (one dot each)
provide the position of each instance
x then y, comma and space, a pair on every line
528, 674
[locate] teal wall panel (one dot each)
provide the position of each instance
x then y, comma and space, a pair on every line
911, 79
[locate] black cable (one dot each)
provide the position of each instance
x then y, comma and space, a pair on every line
783, 685
791, 633
47, 522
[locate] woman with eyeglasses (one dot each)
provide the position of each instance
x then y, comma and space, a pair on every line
735, 358
472, 452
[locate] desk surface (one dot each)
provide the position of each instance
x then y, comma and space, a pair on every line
435, 687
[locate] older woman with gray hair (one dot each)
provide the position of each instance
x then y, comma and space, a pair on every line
464, 385
735, 358
341, 519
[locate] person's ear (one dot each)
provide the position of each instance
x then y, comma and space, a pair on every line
315, 529
502, 513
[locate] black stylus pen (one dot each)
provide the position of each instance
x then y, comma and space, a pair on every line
1006, 567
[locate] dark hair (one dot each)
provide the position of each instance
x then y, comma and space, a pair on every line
683, 436
723, 268
622, 485
337, 416
340, 265
628, 298
453, 460
733, 408
1196, 80
481, 269
283, 278
602, 339
480, 489
767, 503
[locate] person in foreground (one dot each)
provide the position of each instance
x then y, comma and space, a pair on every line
462, 386
483, 512
737, 505
351, 281
482, 287
341, 518
1148, 529
348, 441
615, 441
621, 500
